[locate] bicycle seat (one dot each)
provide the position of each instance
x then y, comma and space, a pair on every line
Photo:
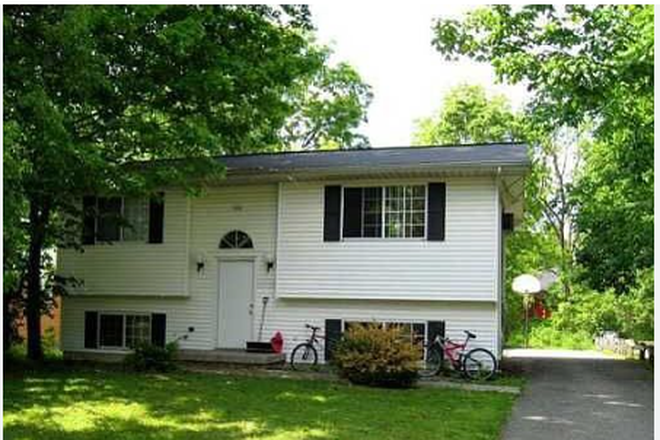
469, 334
313, 327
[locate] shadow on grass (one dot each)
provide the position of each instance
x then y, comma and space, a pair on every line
96, 404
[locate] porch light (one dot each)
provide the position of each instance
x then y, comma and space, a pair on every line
201, 262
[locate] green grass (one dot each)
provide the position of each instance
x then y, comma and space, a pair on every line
87, 404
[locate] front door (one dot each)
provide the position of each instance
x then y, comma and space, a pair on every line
235, 299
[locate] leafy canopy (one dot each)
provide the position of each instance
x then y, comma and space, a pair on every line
584, 65
90, 89
469, 116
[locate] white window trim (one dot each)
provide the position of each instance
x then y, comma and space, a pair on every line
124, 315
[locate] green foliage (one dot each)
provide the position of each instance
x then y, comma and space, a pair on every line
590, 69
546, 335
147, 357
631, 315
329, 108
469, 116
373, 355
584, 65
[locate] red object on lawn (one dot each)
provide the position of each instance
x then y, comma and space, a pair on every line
277, 342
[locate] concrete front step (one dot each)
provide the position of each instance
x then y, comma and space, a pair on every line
231, 356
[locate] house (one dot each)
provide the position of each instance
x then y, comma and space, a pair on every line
412, 236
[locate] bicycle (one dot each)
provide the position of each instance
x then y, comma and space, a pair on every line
475, 364
305, 355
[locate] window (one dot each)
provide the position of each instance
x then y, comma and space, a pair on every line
136, 215
108, 220
236, 240
117, 330
385, 212
138, 329
111, 331
405, 208
122, 219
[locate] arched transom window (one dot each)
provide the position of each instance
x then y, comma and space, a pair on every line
236, 240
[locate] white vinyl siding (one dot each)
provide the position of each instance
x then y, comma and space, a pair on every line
462, 267
290, 315
249, 208
135, 268
451, 280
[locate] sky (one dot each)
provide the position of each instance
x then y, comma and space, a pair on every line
390, 46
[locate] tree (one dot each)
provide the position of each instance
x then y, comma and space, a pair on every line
329, 109
586, 66
469, 116
88, 90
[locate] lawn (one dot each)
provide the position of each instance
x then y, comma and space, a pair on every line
88, 404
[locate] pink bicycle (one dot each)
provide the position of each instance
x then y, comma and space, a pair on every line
475, 364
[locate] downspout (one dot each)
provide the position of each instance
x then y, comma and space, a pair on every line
277, 235
499, 263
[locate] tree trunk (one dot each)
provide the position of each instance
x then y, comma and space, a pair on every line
39, 216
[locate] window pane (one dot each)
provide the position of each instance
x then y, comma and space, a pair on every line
136, 214
108, 219
353, 204
138, 329
405, 208
372, 212
111, 331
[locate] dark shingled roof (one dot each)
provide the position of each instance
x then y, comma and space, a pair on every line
488, 155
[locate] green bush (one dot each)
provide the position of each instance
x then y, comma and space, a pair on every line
377, 356
543, 334
630, 313
148, 357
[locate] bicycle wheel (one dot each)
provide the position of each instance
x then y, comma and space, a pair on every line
479, 364
304, 357
432, 364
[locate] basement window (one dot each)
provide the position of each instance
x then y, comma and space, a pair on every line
121, 331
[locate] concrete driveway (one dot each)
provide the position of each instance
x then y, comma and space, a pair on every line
580, 395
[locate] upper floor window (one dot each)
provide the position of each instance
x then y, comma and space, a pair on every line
385, 212
122, 219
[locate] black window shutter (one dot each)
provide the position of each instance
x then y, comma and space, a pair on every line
158, 325
433, 329
352, 212
332, 336
156, 218
332, 213
91, 329
436, 211
89, 220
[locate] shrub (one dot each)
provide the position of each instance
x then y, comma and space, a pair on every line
377, 356
149, 357
545, 335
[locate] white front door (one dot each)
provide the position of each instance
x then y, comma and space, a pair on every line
235, 299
